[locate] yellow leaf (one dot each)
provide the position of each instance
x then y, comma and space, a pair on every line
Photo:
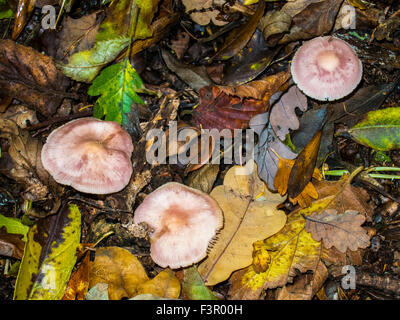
126, 277
247, 218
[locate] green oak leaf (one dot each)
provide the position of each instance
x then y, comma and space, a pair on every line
117, 86
49, 256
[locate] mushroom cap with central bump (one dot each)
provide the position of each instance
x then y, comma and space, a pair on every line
326, 68
90, 155
184, 221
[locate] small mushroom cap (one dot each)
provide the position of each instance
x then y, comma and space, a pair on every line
326, 68
90, 155
184, 221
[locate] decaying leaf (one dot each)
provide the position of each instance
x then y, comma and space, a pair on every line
283, 116
250, 214
126, 276
23, 164
203, 179
300, 19
268, 148
50, 255
342, 231
223, 107
180, 44
11, 244
195, 76
31, 77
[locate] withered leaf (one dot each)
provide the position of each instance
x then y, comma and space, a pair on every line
240, 36
23, 163
77, 35
31, 77
202, 17
303, 168
283, 116
11, 245
268, 148
342, 231
180, 44
194, 76
223, 107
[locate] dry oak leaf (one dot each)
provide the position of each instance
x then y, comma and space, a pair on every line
293, 249
342, 231
126, 276
250, 215
31, 77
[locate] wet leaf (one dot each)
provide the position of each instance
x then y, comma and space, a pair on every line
240, 36
23, 13
250, 214
380, 130
126, 277
342, 231
31, 77
50, 255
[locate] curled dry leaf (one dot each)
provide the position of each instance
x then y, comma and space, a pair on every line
180, 44
22, 162
250, 214
342, 231
126, 276
31, 77
21, 115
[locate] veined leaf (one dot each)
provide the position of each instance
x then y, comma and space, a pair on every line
49, 256
380, 130
117, 85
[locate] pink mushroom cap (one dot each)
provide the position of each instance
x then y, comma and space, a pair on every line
184, 221
326, 68
90, 155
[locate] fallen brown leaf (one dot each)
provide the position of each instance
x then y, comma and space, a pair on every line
342, 231
31, 77
11, 245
